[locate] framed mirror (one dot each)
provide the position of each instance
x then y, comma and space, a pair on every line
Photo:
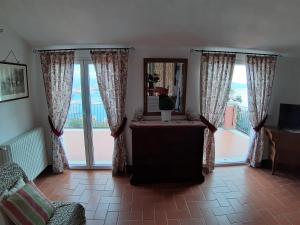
164, 77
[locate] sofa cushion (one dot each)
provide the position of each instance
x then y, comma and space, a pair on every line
28, 206
4, 220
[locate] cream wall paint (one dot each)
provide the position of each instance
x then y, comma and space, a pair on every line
16, 116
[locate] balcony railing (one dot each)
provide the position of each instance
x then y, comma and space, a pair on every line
237, 117
242, 120
75, 116
99, 118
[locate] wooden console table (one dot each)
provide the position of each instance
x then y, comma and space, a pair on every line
284, 148
167, 151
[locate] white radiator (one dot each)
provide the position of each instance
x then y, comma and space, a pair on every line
28, 150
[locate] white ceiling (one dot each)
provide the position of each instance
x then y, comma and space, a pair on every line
271, 25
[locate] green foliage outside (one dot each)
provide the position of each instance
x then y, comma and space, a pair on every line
242, 122
238, 99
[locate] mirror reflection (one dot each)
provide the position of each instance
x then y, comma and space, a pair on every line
165, 79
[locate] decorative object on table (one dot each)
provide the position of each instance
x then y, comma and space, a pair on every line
138, 115
152, 79
166, 105
13, 81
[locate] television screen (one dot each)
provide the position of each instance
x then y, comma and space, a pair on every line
289, 117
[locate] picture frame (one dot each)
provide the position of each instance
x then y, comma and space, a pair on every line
13, 81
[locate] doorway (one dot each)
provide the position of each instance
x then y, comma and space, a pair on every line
232, 138
87, 139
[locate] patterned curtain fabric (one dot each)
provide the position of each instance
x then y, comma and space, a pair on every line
216, 75
260, 76
57, 69
111, 71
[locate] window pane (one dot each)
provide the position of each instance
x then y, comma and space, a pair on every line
73, 136
103, 142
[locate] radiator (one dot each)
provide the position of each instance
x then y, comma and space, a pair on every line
28, 150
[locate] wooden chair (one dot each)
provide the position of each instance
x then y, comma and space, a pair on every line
273, 154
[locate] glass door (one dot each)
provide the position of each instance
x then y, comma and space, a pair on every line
74, 131
232, 139
87, 138
102, 141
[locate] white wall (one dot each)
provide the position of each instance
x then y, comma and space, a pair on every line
39, 107
16, 116
286, 88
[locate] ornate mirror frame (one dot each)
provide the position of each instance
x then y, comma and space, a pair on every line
184, 73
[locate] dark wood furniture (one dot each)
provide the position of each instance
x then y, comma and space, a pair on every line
167, 151
284, 149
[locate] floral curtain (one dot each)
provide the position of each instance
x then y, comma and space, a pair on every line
216, 75
260, 76
111, 71
57, 69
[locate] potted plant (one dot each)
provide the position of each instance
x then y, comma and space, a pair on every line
152, 79
166, 105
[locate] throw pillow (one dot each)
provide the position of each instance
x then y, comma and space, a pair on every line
28, 206
4, 220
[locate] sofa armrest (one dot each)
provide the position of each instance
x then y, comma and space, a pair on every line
68, 213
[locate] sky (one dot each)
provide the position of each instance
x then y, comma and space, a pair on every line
239, 74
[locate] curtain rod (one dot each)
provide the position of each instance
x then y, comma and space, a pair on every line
77, 49
229, 52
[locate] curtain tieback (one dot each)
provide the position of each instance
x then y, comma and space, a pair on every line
56, 132
261, 124
210, 126
120, 128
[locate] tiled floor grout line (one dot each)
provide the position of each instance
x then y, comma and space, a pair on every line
232, 194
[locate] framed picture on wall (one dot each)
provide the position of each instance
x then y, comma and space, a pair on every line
13, 81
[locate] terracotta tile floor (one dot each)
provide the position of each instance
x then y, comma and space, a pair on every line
230, 195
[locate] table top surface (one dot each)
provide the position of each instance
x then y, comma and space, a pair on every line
276, 129
173, 123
